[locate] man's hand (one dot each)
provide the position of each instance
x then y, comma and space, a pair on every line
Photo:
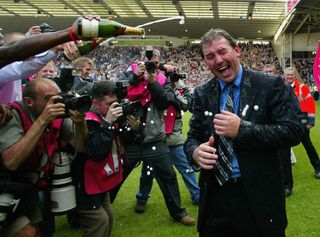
114, 112
133, 122
205, 155
51, 110
34, 30
169, 68
5, 114
226, 124
71, 51
76, 116
309, 126
75, 24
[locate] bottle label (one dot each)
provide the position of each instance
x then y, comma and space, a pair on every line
90, 28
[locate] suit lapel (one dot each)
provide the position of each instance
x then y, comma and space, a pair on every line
213, 100
247, 95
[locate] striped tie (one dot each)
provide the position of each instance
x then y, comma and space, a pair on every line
223, 169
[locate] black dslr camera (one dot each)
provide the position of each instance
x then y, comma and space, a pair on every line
130, 108
65, 83
45, 28
79, 103
150, 66
174, 76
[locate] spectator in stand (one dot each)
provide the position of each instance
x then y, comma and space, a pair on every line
308, 107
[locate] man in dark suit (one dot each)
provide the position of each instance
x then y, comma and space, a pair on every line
236, 144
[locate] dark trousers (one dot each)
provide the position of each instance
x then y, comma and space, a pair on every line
228, 213
311, 151
285, 156
156, 155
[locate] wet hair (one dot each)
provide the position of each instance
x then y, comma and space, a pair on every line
214, 34
103, 88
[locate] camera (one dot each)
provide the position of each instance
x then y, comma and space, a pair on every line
150, 66
130, 108
45, 28
62, 193
66, 78
79, 103
174, 76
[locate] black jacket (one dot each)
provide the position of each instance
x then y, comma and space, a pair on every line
269, 121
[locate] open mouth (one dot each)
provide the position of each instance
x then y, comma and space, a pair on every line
223, 69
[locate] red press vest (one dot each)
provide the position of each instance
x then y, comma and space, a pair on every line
102, 176
46, 146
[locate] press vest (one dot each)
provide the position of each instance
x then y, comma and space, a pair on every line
40, 160
102, 176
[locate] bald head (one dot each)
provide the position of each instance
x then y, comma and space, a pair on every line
37, 93
34, 87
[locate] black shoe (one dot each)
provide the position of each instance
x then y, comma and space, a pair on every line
140, 207
317, 174
287, 192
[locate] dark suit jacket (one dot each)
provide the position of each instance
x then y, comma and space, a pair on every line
269, 120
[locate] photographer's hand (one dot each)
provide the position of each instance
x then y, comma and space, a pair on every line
114, 112
169, 68
5, 114
133, 122
151, 77
51, 110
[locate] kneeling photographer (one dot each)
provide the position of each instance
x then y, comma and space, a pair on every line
28, 143
100, 169
151, 90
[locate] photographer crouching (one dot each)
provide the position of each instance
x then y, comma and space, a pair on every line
153, 93
100, 169
27, 144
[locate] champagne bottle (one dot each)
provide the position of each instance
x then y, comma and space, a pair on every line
84, 47
88, 45
105, 28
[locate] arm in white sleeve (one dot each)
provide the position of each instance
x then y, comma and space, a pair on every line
23, 69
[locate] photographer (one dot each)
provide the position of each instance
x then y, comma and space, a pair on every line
101, 168
175, 141
27, 143
153, 92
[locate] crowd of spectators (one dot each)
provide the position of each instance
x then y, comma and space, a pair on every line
112, 61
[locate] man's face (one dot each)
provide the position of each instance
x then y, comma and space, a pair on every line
156, 59
103, 105
47, 71
44, 92
269, 71
86, 70
222, 59
289, 76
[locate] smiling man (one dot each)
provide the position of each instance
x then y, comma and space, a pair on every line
240, 120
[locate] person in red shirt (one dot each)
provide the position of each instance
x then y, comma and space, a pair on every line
308, 107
